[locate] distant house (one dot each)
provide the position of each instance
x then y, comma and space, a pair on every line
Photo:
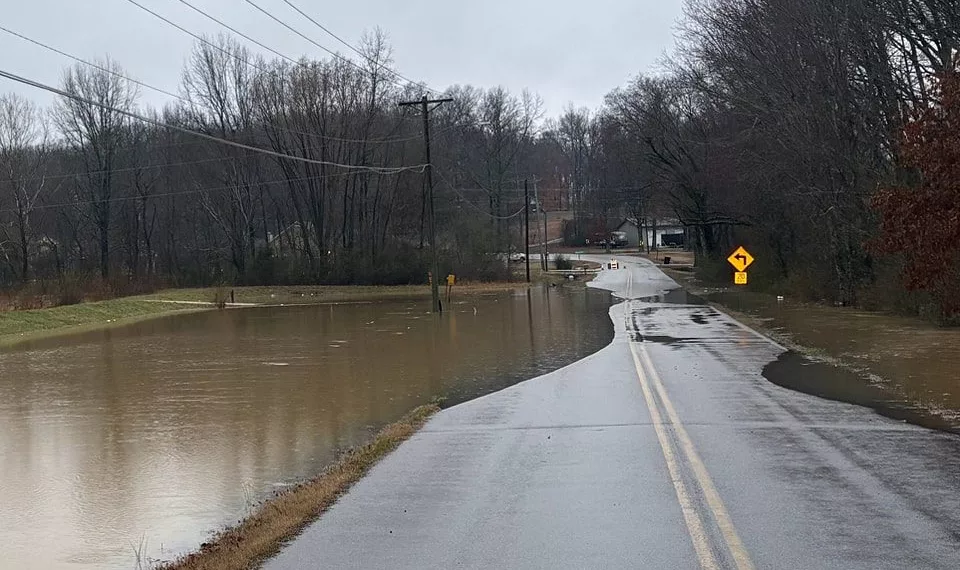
668, 233
292, 238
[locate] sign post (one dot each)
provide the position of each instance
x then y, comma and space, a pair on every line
740, 260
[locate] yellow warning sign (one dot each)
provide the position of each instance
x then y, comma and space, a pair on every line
740, 259
740, 278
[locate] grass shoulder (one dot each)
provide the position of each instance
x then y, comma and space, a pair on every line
21, 326
319, 294
17, 326
282, 517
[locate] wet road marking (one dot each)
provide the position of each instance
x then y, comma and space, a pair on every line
737, 550
692, 518
690, 514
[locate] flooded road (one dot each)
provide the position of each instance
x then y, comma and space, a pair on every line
901, 366
144, 439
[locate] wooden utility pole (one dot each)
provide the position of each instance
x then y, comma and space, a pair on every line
424, 104
543, 212
526, 228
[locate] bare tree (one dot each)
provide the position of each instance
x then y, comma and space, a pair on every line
92, 122
24, 148
219, 84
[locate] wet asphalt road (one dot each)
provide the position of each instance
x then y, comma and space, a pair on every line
667, 449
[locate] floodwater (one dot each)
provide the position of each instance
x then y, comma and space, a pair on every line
126, 446
900, 366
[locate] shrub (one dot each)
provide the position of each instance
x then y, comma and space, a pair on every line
563, 263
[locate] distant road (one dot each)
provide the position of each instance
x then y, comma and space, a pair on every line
667, 449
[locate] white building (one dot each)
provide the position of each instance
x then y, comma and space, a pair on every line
667, 233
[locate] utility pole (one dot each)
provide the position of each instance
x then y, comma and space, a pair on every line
424, 104
526, 228
543, 213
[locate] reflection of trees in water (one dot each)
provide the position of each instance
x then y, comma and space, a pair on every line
198, 399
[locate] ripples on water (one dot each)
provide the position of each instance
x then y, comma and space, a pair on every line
152, 435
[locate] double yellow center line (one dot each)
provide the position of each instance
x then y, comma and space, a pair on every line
695, 526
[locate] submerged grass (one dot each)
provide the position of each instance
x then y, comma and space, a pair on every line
279, 519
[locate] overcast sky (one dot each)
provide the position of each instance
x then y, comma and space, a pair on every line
567, 51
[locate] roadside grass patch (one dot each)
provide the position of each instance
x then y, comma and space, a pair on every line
316, 294
282, 517
23, 325
17, 325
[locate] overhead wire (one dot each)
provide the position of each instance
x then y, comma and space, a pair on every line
186, 100
85, 62
355, 49
178, 193
476, 207
330, 33
154, 147
304, 36
130, 169
62, 93
209, 16
239, 33
197, 37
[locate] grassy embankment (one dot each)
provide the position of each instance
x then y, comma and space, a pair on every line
320, 294
282, 517
25, 325
20, 326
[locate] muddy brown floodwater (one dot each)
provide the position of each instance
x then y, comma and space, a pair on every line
144, 439
902, 367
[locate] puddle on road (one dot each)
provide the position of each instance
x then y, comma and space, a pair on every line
900, 366
675, 297
798, 373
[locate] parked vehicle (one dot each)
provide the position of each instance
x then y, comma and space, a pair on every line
611, 239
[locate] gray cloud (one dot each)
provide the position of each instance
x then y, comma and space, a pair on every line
568, 52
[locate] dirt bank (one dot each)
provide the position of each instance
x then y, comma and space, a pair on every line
280, 518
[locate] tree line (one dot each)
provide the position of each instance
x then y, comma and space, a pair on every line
800, 129
784, 125
89, 189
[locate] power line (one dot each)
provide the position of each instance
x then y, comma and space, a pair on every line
354, 49
179, 193
268, 48
302, 35
153, 147
481, 210
38, 85
476, 207
239, 33
130, 169
85, 62
325, 29
185, 100
199, 38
